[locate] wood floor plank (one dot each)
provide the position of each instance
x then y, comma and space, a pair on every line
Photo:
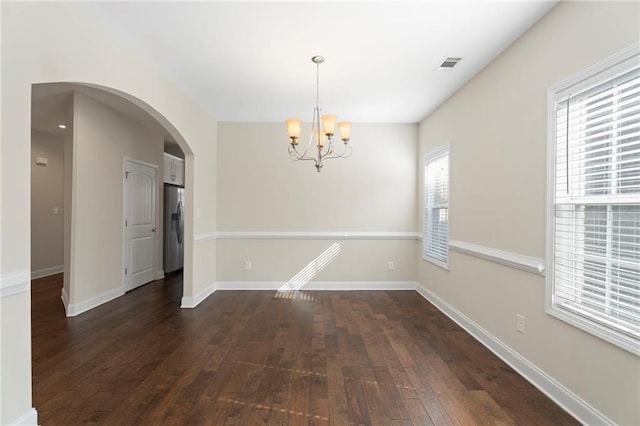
260, 357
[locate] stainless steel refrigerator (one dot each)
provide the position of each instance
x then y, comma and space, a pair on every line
173, 228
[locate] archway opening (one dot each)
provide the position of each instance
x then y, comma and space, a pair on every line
90, 132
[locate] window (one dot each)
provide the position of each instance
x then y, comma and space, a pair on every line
593, 258
436, 207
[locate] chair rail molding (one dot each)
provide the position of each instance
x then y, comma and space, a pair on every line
530, 264
205, 237
304, 235
15, 282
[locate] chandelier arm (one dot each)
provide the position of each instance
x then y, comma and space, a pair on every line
308, 159
328, 152
295, 155
346, 153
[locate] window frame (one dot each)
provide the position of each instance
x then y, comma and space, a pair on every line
431, 155
599, 72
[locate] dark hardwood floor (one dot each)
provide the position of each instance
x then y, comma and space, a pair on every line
251, 357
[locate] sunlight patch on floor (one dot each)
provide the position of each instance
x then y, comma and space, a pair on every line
291, 289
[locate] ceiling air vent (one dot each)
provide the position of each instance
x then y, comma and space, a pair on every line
448, 63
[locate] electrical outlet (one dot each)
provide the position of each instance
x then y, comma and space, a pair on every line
520, 323
392, 265
247, 265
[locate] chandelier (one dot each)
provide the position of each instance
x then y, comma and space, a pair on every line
322, 131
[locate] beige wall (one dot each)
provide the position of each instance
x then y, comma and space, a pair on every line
46, 194
102, 139
69, 183
281, 260
261, 190
497, 128
15, 361
40, 44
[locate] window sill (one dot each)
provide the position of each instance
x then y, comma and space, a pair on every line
436, 262
618, 339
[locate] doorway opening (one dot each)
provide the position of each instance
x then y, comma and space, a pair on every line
82, 137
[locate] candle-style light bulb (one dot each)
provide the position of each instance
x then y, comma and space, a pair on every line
345, 130
329, 124
319, 138
293, 128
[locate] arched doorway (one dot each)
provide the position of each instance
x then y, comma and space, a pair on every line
103, 127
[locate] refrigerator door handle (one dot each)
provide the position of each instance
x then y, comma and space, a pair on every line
179, 230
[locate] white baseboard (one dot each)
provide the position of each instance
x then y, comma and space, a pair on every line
566, 399
358, 285
74, 309
30, 418
64, 295
159, 275
192, 302
45, 272
317, 285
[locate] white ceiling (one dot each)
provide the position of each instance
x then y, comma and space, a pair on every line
245, 61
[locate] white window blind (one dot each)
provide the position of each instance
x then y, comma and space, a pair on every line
596, 203
436, 213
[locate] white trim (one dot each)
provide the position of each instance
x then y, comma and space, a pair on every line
318, 285
564, 397
174, 157
156, 196
304, 235
576, 82
159, 275
506, 258
64, 295
143, 163
437, 262
74, 309
14, 283
192, 302
607, 334
30, 418
45, 272
444, 149
203, 238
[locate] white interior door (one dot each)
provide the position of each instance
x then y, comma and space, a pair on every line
140, 224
